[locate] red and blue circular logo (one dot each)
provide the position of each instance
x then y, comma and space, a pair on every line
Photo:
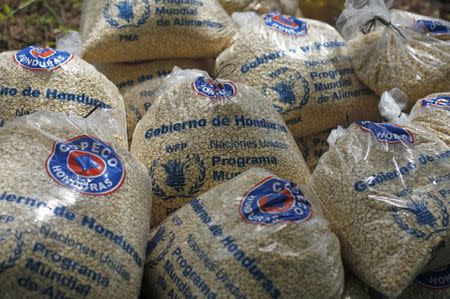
386, 132
436, 279
274, 200
42, 59
441, 102
214, 89
286, 24
87, 165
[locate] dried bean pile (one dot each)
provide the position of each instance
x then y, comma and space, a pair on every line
381, 186
300, 65
120, 31
202, 132
36, 79
75, 210
256, 236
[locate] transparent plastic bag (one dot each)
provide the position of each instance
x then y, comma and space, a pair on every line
313, 147
300, 66
256, 236
201, 132
138, 99
71, 42
432, 27
289, 7
433, 112
380, 185
75, 209
138, 83
137, 30
430, 285
127, 75
388, 52
35, 79
392, 104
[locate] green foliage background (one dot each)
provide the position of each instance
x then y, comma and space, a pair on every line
37, 22
25, 22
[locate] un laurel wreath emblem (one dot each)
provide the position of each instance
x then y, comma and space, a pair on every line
178, 177
288, 92
126, 13
422, 218
161, 236
16, 238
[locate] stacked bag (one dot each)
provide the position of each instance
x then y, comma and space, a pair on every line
116, 36
138, 83
201, 132
180, 165
122, 31
383, 186
75, 209
395, 49
244, 252
301, 66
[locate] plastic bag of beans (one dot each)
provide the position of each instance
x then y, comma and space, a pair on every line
136, 30
430, 285
433, 27
256, 236
300, 66
127, 75
138, 83
289, 7
383, 187
35, 79
138, 99
200, 132
389, 52
313, 147
74, 207
433, 112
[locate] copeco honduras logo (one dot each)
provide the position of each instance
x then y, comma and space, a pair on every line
274, 200
42, 59
214, 89
433, 27
441, 102
422, 218
436, 279
386, 132
288, 25
126, 13
87, 165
